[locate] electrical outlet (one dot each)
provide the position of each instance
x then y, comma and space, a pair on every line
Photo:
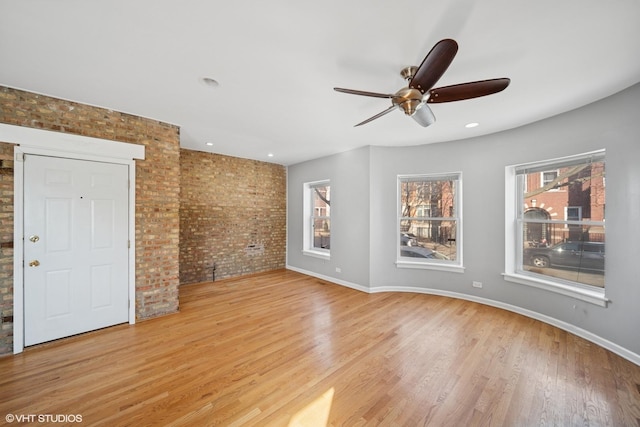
476, 284
338, 270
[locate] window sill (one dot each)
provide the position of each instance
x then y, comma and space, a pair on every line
430, 266
317, 254
594, 296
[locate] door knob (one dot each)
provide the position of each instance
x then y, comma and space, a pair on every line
34, 238
34, 263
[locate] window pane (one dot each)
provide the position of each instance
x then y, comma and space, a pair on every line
549, 176
321, 213
571, 193
574, 253
427, 198
574, 213
321, 201
321, 233
552, 165
428, 239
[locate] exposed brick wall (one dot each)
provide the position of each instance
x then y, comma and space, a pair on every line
157, 194
6, 248
226, 205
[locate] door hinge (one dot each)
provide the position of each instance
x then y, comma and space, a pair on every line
129, 244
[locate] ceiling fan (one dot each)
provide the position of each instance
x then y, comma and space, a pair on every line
413, 99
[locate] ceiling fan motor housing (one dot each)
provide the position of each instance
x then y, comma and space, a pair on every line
408, 99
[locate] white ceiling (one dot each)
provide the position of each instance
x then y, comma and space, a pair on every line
277, 63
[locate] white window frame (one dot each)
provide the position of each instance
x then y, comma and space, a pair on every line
514, 244
456, 265
309, 217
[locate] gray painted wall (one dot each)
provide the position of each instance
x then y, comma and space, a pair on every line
364, 214
349, 178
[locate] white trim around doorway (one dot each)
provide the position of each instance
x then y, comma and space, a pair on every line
57, 144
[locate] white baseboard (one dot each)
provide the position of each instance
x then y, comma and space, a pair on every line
330, 279
615, 348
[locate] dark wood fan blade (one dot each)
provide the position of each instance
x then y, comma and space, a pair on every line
424, 116
363, 93
469, 90
388, 110
434, 65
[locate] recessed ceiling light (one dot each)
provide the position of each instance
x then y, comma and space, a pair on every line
270, 155
210, 82
209, 144
471, 125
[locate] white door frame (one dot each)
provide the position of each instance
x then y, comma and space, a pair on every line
57, 144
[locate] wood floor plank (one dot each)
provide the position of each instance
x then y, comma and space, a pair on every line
281, 348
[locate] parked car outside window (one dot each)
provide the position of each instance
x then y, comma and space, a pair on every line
581, 255
407, 239
420, 252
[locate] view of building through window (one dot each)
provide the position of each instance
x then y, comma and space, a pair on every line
562, 219
321, 216
428, 218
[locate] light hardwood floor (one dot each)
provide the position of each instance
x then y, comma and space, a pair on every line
281, 348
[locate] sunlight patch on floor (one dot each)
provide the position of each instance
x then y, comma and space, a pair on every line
316, 413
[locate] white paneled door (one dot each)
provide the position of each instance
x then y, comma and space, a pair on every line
75, 246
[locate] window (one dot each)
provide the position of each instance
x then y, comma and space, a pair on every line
423, 210
429, 222
548, 177
558, 229
317, 221
573, 213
